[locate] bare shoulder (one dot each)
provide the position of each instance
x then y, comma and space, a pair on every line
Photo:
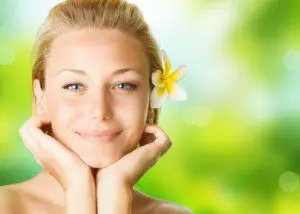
145, 204
8, 200
166, 207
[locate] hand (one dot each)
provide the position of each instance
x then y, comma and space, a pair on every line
53, 156
130, 168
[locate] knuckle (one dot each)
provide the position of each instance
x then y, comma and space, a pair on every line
34, 120
23, 128
166, 139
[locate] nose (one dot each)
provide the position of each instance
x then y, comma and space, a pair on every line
100, 107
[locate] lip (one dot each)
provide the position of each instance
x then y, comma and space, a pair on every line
103, 137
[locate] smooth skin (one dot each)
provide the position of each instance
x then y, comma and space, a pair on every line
111, 184
81, 176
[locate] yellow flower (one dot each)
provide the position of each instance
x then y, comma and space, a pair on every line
165, 84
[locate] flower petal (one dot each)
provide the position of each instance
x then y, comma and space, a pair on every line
177, 75
170, 88
157, 79
167, 63
177, 93
158, 97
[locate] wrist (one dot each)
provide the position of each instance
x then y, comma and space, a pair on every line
113, 197
85, 183
81, 198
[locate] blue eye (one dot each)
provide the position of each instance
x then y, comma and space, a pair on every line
78, 87
73, 86
126, 86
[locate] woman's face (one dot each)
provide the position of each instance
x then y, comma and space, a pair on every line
97, 80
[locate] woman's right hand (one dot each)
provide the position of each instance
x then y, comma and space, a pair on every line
68, 169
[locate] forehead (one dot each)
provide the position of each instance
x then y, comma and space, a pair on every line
96, 49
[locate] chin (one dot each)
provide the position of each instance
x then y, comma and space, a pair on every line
99, 162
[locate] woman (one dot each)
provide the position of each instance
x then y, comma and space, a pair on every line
94, 126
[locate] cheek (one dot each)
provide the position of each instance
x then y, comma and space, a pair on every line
62, 116
133, 116
133, 112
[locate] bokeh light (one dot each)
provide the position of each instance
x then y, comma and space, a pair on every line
235, 140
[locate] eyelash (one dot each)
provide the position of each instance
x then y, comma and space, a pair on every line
132, 85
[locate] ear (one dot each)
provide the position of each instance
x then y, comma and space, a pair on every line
150, 113
39, 100
150, 116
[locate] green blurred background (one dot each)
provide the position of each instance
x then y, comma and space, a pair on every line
235, 140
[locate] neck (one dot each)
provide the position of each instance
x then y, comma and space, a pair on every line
44, 186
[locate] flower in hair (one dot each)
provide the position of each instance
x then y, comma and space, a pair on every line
165, 83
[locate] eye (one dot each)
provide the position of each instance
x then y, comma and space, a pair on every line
127, 86
73, 86
79, 87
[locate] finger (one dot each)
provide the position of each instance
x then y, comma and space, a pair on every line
159, 136
166, 149
23, 132
30, 144
50, 147
37, 121
43, 140
149, 135
146, 138
138, 162
156, 131
161, 139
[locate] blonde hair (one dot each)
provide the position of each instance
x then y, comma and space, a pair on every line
105, 14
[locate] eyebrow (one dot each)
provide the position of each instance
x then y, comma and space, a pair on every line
82, 72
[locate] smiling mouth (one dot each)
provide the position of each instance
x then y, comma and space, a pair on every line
100, 139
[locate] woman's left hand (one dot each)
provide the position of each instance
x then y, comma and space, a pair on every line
131, 167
